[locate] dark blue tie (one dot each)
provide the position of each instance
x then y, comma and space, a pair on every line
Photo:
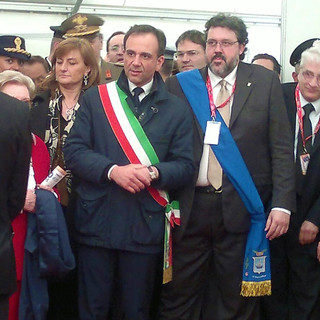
136, 92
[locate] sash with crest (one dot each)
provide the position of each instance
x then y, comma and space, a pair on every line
256, 277
138, 149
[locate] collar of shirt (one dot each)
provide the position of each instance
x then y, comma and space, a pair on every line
146, 88
230, 79
314, 118
48, 61
316, 104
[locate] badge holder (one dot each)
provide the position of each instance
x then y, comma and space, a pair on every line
304, 162
212, 132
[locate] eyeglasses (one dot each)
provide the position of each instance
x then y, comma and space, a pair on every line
309, 75
189, 53
223, 44
116, 48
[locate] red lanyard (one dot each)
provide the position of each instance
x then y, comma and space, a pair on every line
300, 116
213, 107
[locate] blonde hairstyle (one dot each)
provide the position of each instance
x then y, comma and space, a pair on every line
87, 55
8, 76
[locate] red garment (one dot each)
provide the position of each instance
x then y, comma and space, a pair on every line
41, 165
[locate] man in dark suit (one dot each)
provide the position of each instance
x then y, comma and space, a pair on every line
15, 148
214, 221
296, 290
119, 226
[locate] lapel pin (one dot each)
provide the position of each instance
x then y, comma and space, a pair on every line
248, 84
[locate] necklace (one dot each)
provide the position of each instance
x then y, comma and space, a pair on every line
69, 111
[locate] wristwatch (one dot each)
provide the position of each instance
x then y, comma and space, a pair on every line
153, 174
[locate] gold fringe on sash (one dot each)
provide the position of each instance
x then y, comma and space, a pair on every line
255, 289
167, 275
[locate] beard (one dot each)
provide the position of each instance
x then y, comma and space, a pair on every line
224, 67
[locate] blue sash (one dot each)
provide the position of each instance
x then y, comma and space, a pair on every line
256, 278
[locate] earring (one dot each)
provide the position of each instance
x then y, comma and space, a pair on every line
85, 79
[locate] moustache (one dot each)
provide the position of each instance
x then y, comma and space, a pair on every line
219, 55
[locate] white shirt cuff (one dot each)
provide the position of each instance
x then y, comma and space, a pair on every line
109, 172
283, 210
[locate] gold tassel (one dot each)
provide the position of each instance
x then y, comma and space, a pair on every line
255, 289
167, 275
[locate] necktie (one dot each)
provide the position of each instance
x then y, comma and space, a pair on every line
214, 168
223, 95
136, 92
307, 129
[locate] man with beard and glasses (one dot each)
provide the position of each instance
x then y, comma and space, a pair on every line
219, 267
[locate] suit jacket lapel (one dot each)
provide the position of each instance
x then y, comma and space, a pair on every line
243, 89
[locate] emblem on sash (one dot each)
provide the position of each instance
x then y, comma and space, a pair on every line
259, 262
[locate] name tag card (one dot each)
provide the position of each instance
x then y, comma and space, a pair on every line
212, 132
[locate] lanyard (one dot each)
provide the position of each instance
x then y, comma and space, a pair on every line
300, 117
213, 107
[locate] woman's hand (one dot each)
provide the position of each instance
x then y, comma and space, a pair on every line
30, 202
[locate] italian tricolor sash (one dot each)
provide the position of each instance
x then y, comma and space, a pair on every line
139, 150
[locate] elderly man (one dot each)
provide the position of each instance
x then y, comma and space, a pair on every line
12, 53
245, 182
296, 56
131, 139
296, 276
191, 51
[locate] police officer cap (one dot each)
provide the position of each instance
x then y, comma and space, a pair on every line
296, 54
57, 32
80, 24
14, 47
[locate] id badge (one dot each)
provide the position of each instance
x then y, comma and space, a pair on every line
304, 161
212, 132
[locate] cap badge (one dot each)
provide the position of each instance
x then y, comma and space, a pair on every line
17, 42
80, 19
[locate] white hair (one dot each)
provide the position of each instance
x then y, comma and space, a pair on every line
311, 54
8, 76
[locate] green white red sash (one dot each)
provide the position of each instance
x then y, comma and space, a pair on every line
139, 150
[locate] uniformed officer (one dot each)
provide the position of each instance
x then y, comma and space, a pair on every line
12, 53
296, 56
88, 27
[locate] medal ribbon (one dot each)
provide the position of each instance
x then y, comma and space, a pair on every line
213, 107
300, 120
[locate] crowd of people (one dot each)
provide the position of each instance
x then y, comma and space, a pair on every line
191, 181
